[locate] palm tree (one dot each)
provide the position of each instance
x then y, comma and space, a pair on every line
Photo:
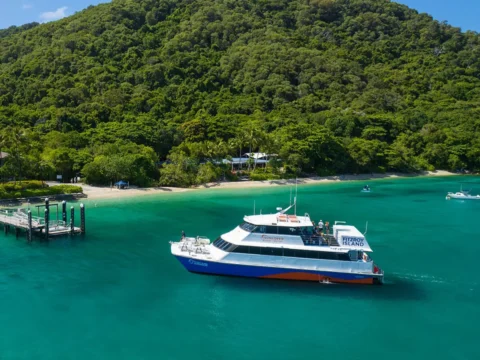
253, 136
269, 145
237, 143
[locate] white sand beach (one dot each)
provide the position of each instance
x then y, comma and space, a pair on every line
95, 192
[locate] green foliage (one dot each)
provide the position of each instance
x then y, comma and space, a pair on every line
127, 162
330, 86
66, 189
182, 171
24, 185
207, 173
258, 176
23, 189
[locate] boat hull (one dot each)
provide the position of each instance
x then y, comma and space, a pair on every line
265, 272
463, 197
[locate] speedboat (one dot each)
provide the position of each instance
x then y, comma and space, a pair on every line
366, 188
282, 246
462, 194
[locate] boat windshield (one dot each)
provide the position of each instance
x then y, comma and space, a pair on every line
247, 226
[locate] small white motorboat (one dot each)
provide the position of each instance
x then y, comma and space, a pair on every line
366, 189
463, 195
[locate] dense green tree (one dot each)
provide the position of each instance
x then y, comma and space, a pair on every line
329, 85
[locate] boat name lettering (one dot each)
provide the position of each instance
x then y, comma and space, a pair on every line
353, 241
272, 238
198, 263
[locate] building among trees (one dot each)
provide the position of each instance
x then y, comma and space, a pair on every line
3, 156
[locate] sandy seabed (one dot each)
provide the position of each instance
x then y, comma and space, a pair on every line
95, 192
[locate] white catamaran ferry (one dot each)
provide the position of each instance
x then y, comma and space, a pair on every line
281, 246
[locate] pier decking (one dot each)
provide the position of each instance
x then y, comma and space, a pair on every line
42, 226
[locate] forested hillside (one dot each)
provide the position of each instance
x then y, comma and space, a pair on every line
332, 86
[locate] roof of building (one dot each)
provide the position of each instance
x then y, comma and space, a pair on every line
3, 155
259, 155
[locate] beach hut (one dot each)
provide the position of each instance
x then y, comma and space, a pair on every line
121, 184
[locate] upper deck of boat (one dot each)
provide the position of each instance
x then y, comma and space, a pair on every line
279, 219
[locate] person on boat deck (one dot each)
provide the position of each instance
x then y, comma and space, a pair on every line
320, 226
327, 227
183, 234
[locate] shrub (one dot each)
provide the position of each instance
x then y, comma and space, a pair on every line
264, 176
34, 192
24, 185
66, 189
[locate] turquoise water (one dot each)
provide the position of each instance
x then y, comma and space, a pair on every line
119, 294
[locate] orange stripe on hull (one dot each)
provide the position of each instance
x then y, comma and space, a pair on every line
314, 277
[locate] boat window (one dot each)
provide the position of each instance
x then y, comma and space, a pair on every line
272, 251
264, 229
272, 229
343, 256
241, 249
227, 246
289, 252
247, 226
353, 255
217, 242
230, 247
255, 250
300, 253
261, 229
288, 230
224, 245
324, 255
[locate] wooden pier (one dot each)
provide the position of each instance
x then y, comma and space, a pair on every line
42, 226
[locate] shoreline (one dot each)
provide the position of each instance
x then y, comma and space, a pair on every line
94, 192
106, 192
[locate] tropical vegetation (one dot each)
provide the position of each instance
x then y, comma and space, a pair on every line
29, 189
331, 86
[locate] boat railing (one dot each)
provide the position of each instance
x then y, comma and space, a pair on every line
314, 240
195, 244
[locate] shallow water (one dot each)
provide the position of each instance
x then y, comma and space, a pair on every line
117, 293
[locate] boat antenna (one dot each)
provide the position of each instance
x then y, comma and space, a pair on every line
290, 196
366, 228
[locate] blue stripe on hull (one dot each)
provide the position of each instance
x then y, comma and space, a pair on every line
209, 267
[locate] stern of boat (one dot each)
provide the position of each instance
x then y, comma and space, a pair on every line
378, 275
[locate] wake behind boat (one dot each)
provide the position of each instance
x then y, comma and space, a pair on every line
281, 246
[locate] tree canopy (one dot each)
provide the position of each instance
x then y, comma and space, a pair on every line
330, 85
